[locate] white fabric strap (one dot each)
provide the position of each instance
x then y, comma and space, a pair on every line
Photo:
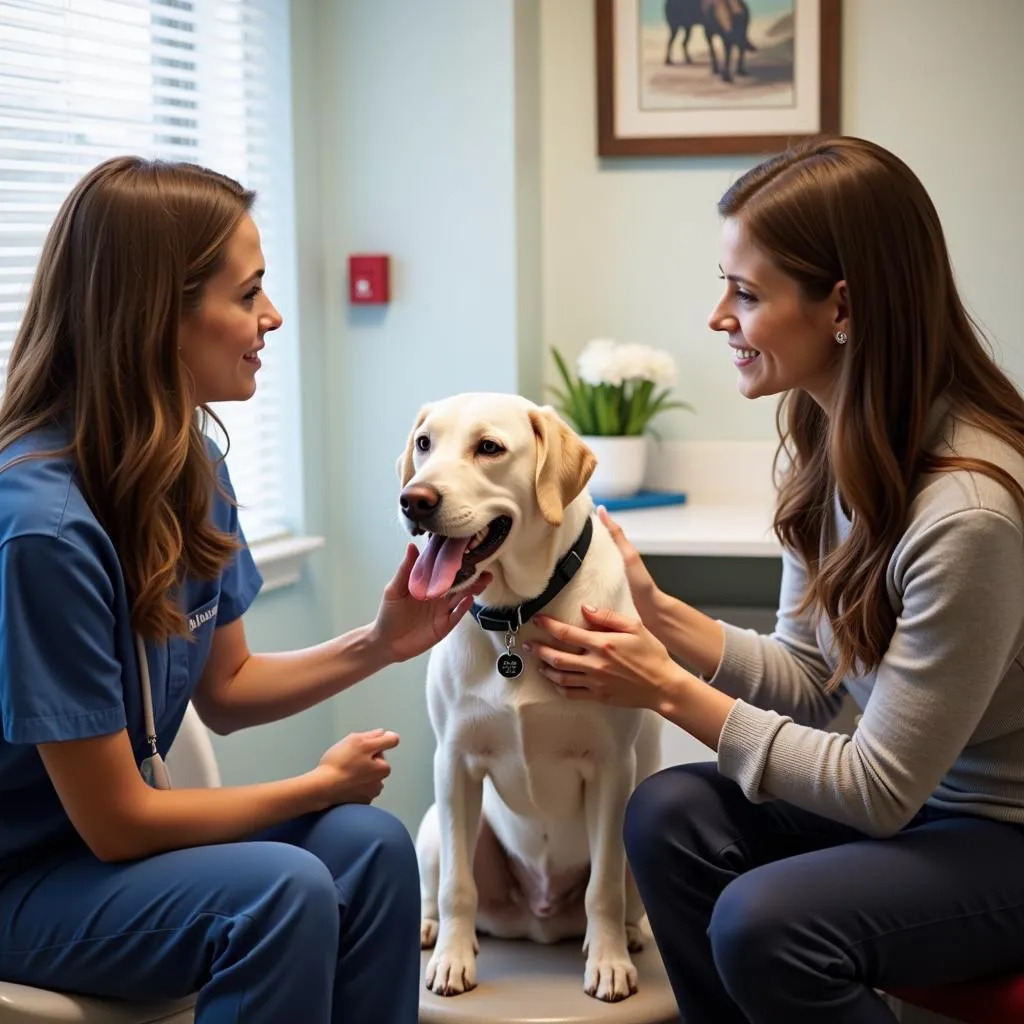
153, 768
147, 693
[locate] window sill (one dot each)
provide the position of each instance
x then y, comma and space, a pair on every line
280, 560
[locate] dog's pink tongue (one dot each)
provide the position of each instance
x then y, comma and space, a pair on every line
436, 567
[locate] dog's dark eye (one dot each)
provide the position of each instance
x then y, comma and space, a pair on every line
489, 447
423, 443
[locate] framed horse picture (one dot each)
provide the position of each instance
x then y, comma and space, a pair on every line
715, 76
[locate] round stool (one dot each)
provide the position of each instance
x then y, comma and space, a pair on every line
22, 1004
521, 982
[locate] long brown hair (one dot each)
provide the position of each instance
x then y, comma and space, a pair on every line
844, 209
97, 353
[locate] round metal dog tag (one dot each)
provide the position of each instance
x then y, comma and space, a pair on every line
509, 665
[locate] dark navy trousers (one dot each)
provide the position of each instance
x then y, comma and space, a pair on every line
315, 921
768, 914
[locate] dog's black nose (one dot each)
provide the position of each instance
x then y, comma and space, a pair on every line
419, 502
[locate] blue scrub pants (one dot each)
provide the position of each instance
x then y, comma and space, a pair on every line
768, 914
317, 921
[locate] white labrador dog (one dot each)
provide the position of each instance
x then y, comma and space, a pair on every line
525, 837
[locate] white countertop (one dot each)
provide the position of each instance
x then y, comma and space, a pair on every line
731, 500
731, 531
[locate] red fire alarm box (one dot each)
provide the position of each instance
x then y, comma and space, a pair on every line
368, 279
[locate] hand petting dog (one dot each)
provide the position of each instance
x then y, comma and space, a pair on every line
616, 661
619, 661
407, 626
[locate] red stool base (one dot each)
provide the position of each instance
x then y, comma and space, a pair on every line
992, 1001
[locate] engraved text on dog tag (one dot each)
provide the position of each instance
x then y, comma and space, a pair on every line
509, 665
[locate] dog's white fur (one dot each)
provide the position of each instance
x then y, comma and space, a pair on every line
524, 839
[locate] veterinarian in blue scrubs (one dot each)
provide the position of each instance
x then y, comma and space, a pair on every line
291, 900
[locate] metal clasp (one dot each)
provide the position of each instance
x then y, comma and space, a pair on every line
510, 639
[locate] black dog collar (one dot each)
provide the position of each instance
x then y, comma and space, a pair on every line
510, 619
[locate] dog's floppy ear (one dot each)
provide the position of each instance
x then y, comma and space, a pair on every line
404, 466
564, 463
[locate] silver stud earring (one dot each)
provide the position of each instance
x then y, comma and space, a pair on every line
841, 337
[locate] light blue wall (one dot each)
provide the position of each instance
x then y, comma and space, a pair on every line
419, 161
282, 619
416, 134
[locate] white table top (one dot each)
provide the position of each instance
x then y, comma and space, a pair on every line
731, 531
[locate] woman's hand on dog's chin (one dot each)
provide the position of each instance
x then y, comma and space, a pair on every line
405, 627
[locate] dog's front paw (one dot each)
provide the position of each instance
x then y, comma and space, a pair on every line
609, 975
451, 969
428, 933
635, 938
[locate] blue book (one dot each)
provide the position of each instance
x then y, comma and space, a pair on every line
642, 499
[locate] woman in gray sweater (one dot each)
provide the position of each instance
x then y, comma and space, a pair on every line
807, 867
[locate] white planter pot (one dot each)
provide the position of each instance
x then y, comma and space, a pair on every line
621, 462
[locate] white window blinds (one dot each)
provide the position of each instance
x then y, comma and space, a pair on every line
198, 80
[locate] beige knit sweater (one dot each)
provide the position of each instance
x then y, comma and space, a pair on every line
943, 714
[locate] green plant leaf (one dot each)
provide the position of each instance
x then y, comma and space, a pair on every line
661, 404
573, 399
587, 411
565, 406
608, 408
566, 376
638, 402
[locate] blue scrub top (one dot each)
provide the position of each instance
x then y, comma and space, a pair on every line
68, 667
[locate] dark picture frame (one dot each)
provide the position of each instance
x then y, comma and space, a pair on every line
737, 130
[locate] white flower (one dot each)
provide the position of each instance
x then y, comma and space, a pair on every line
598, 363
606, 362
661, 367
